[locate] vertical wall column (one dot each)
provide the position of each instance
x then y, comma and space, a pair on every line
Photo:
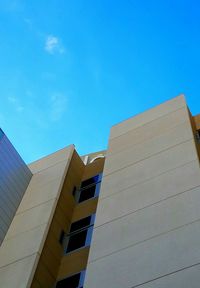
24, 241
147, 229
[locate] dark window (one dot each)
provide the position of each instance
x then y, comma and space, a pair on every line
77, 240
87, 193
90, 181
74, 281
80, 234
70, 282
198, 135
89, 189
80, 224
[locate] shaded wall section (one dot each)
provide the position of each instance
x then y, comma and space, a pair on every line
14, 179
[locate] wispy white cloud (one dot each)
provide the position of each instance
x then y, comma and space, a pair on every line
58, 106
16, 103
53, 45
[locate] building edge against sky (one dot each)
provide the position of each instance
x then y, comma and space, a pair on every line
146, 231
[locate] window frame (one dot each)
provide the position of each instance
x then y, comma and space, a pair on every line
88, 237
81, 279
97, 184
198, 136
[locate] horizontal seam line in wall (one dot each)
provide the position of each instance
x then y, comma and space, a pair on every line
146, 122
165, 275
147, 180
42, 203
151, 156
21, 259
24, 232
110, 154
34, 173
145, 240
69, 220
147, 206
31, 183
133, 146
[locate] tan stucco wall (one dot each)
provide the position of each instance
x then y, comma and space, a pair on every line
73, 263
147, 225
76, 261
197, 121
50, 259
23, 244
53, 264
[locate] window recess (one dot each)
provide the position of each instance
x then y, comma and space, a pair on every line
80, 234
198, 136
74, 281
89, 189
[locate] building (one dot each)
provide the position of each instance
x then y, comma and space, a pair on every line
147, 194
14, 179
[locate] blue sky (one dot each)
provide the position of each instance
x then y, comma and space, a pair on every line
71, 69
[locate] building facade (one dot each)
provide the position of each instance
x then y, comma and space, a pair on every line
121, 218
14, 179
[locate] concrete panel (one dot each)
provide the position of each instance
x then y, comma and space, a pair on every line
30, 226
6, 218
73, 263
2, 232
51, 159
149, 192
145, 224
149, 130
136, 153
44, 278
150, 115
4, 224
50, 262
49, 174
84, 209
5, 201
17, 275
14, 178
43, 187
148, 168
35, 197
22, 245
148, 260
186, 278
197, 121
30, 219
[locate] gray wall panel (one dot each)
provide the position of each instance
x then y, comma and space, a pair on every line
14, 179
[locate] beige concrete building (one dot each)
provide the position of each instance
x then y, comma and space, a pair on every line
146, 232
